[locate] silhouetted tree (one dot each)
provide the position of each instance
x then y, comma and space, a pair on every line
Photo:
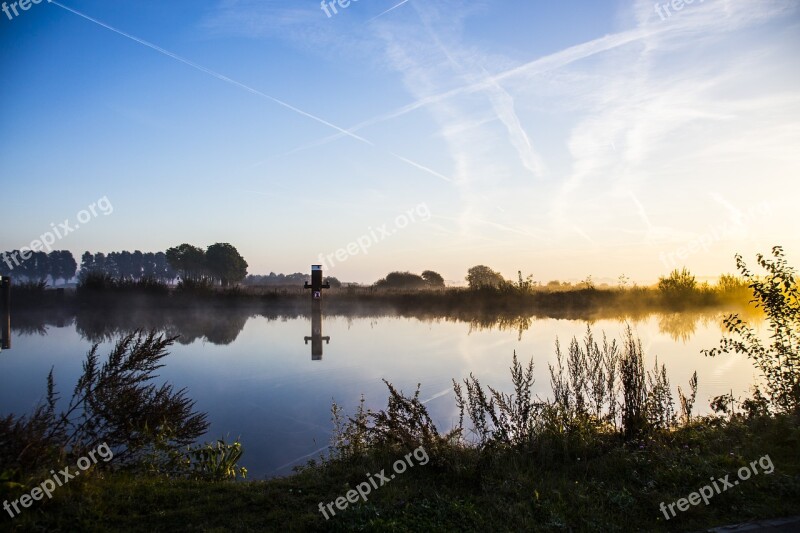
162, 268
481, 276
189, 261
87, 264
35, 268
225, 264
61, 265
433, 279
401, 280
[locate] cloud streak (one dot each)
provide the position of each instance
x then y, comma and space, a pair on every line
247, 88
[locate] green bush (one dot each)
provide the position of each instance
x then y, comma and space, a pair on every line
776, 293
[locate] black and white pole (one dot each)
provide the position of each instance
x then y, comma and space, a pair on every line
316, 283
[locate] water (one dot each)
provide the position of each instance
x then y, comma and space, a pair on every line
257, 379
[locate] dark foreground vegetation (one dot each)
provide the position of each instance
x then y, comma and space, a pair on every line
611, 444
610, 487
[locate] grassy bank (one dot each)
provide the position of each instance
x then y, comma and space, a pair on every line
612, 487
672, 293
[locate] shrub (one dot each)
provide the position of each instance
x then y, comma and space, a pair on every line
777, 295
680, 283
512, 416
114, 402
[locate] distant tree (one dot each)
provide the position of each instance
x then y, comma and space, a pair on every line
69, 267
100, 262
433, 279
525, 284
112, 265
225, 264
149, 265
163, 270
35, 268
61, 265
87, 263
189, 261
481, 276
731, 283
334, 283
124, 262
6, 268
401, 280
679, 282
137, 265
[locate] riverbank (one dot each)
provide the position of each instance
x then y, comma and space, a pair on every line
609, 487
677, 291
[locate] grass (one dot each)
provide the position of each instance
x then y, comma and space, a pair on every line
613, 487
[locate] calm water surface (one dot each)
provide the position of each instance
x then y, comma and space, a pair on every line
258, 380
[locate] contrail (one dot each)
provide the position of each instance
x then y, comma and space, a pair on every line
388, 10
538, 66
212, 73
290, 463
247, 88
438, 395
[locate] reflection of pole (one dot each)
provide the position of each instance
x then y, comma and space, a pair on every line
316, 337
5, 303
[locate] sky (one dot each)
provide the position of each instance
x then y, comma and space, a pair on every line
558, 138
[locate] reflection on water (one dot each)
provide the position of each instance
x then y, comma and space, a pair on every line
5, 330
680, 326
246, 368
316, 337
221, 325
5, 313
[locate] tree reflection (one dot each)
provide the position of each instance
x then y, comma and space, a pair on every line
219, 326
222, 324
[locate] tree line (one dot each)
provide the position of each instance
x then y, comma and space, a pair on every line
407, 280
219, 263
478, 277
39, 266
131, 266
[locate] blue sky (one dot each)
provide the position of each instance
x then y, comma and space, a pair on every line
562, 138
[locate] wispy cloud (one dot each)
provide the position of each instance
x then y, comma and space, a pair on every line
645, 115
